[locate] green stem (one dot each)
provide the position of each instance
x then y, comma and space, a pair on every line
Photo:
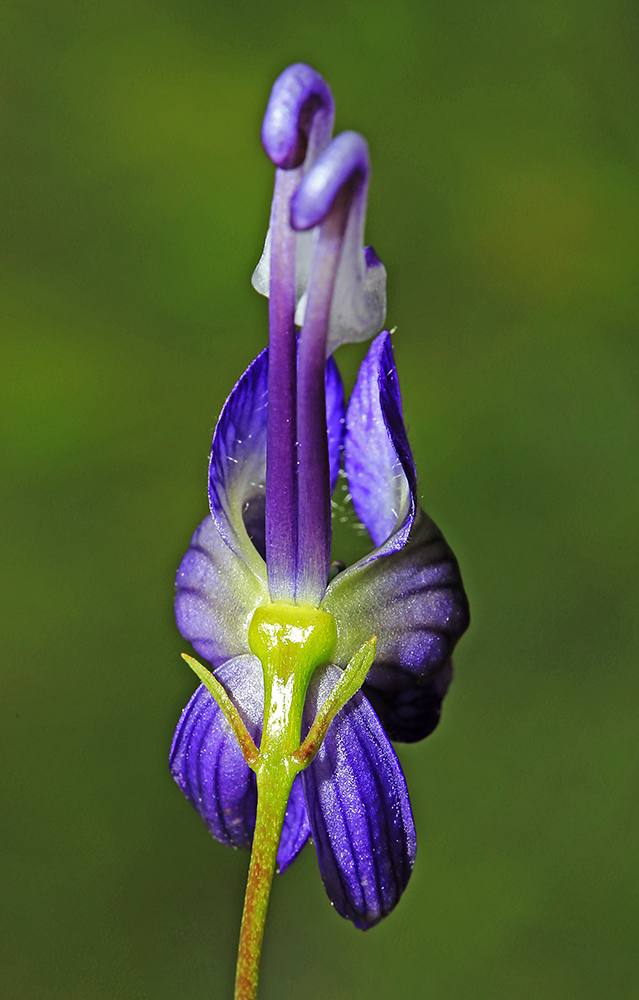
272, 798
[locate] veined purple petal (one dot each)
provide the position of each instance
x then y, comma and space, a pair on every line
359, 810
412, 600
409, 714
209, 767
358, 304
237, 470
206, 760
377, 456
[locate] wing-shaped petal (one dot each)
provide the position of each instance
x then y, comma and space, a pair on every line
209, 767
408, 591
377, 457
412, 600
206, 760
359, 810
217, 592
237, 469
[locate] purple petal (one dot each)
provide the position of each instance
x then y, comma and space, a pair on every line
412, 600
409, 714
335, 418
359, 810
359, 299
216, 595
377, 456
237, 469
206, 760
209, 767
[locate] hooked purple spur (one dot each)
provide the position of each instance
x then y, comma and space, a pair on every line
288, 735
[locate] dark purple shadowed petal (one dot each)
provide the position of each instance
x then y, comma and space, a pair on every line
209, 767
408, 592
254, 517
412, 600
377, 456
216, 595
237, 469
299, 113
409, 714
359, 810
335, 418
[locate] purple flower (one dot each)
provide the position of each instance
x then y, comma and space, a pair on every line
253, 596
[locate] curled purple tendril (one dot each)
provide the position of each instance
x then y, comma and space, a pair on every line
300, 112
344, 162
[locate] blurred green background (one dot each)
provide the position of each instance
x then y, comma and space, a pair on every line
505, 204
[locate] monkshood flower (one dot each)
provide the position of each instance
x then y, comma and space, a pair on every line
288, 736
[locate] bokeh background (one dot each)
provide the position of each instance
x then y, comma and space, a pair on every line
505, 204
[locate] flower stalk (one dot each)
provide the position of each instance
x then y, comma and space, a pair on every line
273, 790
280, 741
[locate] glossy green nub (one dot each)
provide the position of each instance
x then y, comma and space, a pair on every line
290, 641
292, 638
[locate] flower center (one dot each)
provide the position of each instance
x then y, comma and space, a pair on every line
290, 641
284, 633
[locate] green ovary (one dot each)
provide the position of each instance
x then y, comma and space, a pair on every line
290, 641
